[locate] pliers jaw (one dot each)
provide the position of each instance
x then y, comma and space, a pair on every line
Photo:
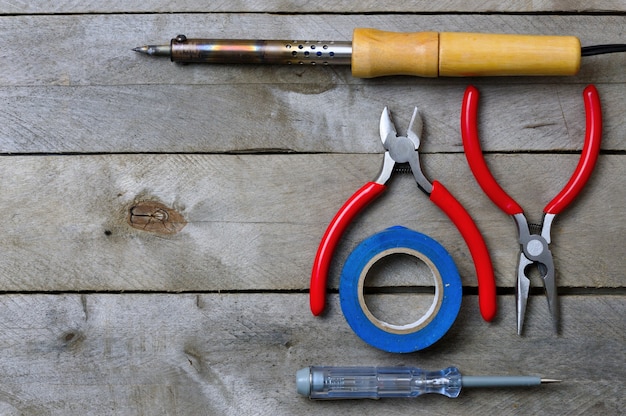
523, 286
402, 149
534, 250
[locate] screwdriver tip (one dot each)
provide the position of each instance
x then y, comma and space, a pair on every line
549, 380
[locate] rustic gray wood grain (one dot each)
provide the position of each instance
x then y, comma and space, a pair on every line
237, 354
254, 221
139, 175
161, 6
344, 119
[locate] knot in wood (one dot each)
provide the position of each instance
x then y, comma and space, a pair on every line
155, 217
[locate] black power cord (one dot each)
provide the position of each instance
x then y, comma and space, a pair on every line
601, 49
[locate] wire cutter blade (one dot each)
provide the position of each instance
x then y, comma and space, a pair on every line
402, 149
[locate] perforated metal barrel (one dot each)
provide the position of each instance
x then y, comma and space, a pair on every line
235, 51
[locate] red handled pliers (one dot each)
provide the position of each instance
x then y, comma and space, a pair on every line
404, 149
534, 247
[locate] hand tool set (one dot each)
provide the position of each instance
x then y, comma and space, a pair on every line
534, 246
373, 53
374, 383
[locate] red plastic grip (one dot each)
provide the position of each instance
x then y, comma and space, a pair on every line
474, 154
336, 228
477, 247
588, 157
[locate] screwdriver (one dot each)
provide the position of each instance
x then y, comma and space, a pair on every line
374, 53
328, 383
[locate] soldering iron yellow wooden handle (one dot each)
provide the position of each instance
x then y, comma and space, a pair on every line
430, 54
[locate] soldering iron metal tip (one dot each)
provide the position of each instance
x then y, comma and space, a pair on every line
154, 50
549, 380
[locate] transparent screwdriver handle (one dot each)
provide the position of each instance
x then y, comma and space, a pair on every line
376, 382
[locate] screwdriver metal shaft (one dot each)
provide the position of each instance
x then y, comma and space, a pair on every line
327, 383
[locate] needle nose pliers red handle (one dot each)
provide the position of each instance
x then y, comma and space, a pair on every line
534, 247
404, 149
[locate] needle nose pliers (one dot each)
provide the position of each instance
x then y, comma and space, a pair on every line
534, 246
404, 150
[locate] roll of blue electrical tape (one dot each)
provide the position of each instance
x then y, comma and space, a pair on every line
425, 331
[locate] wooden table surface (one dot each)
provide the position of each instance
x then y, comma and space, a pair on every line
105, 311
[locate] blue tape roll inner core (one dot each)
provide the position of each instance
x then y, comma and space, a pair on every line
430, 313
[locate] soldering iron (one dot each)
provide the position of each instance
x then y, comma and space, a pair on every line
374, 53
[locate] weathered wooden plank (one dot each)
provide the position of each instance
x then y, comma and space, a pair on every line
237, 354
254, 221
69, 83
161, 6
96, 49
294, 117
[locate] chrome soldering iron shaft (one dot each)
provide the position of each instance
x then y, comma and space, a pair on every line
237, 51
